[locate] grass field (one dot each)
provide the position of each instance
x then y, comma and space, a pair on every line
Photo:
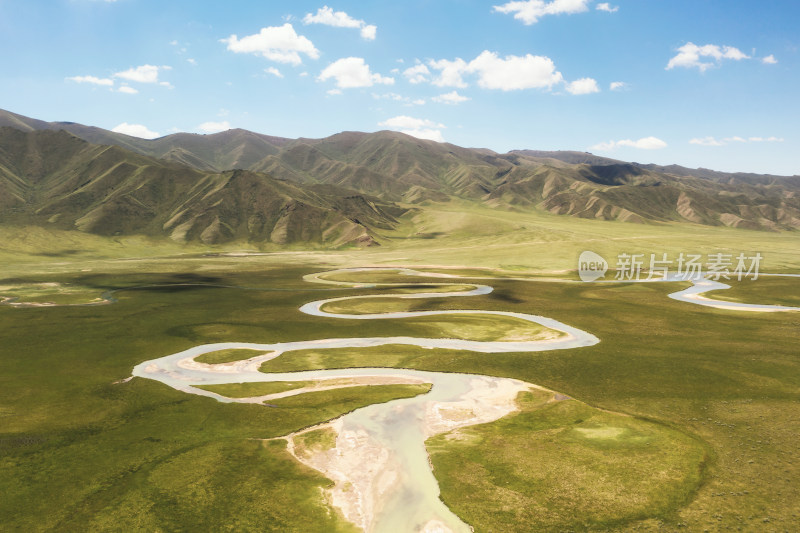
765, 290
81, 452
227, 356
562, 465
250, 390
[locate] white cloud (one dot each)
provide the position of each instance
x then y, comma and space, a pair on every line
416, 127
142, 74
583, 86
192, 62
166, 84
451, 98
92, 80
369, 32
514, 72
276, 43
769, 60
707, 141
127, 90
214, 127
273, 71
417, 73
509, 73
135, 130
689, 56
450, 72
398, 98
711, 141
530, 11
334, 92
350, 72
618, 85
339, 19
605, 6
645, 143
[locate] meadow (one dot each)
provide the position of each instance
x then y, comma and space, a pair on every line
715, 392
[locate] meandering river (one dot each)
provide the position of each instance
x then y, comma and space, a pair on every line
391, 486
383, 478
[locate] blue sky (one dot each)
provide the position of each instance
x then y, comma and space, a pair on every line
709, 83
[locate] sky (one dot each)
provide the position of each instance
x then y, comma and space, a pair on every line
700, 83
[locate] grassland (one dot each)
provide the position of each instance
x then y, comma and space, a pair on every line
227, 356
562, 465
250, 390
79, 452
309, 442
765, 290
391, 355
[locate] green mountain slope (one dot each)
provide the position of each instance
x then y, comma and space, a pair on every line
398, 168
54, 178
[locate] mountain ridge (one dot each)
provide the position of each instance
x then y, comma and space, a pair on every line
55, 179
398, 169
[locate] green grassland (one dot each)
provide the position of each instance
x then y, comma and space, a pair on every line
474, 327
48, 294
391, 355
764, 290
313, 441
79, 452
250, 390
227, 356
465, 233
562, 465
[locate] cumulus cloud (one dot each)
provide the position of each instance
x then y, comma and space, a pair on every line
451, 98
214, 127
369, 32
276, 43
450, 72
645, 143
583, 86
127, 90
135, 130
142, 74
339, 19
417, 73
711, 141
92, 80
507, 73
769, 60
618, 85
514, 72
605, 6
530, 11
416, 127
351, 72
275, 72
691, 55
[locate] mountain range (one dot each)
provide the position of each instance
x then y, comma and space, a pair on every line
342, 189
